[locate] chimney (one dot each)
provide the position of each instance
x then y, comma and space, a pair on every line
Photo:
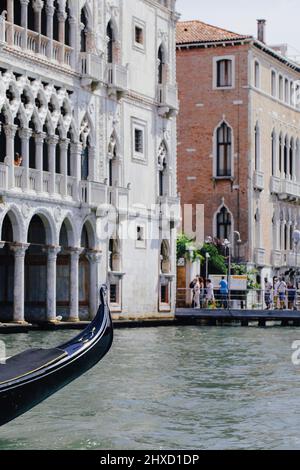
261, 30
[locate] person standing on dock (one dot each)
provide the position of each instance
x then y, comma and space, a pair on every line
224, 292
268, 293
196, 290
291, 294
282, 293
210, 297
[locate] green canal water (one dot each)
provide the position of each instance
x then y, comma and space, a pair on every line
171, 388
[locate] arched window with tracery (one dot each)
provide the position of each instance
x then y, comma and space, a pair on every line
224, 150
113, 176
32, 145
17, 13
83, 33
162, 170
85, 139
160, 65
2, 137
110, 43
224, 224
55, 21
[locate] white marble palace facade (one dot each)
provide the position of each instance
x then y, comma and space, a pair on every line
88, 99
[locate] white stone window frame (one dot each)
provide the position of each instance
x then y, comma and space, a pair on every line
137, 23
257, 83
141, 244
138, 124
215, 72
276, 94
215, 152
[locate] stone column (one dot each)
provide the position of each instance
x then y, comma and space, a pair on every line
52, 142
73, 25
64, 165
92, 164
51, 282
76, 151
37, 7
62, 16
25, 135
294, 172
10, 19
50, 13
74, 284
10, 132
39, 143
282, 158
19, 293
94, 258
24, 21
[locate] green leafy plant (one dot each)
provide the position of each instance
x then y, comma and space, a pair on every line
186, 249
217, 264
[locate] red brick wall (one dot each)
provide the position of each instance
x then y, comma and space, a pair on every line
196, 125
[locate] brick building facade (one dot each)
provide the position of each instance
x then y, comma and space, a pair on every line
238, 129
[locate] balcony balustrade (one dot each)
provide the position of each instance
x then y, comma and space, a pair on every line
260, 257
276, 258
167, 96
258, 180
117, 78
29, 181
170, 208
35, 43
91, 67
285, 189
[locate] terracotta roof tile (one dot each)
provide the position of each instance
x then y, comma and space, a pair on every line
189, 32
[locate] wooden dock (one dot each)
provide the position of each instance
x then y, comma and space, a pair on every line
244, 317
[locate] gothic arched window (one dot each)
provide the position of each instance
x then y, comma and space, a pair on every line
110, 43
224, 150
160, 58
84, 23
224, 224
162, 167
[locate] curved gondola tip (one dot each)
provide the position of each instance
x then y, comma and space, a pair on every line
103, 294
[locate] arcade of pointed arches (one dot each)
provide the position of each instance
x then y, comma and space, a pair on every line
45, 272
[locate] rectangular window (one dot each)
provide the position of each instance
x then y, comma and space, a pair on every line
140, 236
224, 73
164, 294
139, 35
138, 141
273, 84
292, 93
113, 294
224, 151
281, 87
286, 91
257, 75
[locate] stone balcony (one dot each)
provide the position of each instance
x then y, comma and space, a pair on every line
170, 208
276, 258
116, 77
91, 68
167, 97
36, 44
285, 189
260, 257
119, 198
258, 181
44, 185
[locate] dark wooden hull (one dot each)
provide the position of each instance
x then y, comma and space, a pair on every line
84, 352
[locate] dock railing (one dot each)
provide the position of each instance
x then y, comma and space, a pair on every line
256, 299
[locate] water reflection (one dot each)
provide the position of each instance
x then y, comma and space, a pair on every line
174, 388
